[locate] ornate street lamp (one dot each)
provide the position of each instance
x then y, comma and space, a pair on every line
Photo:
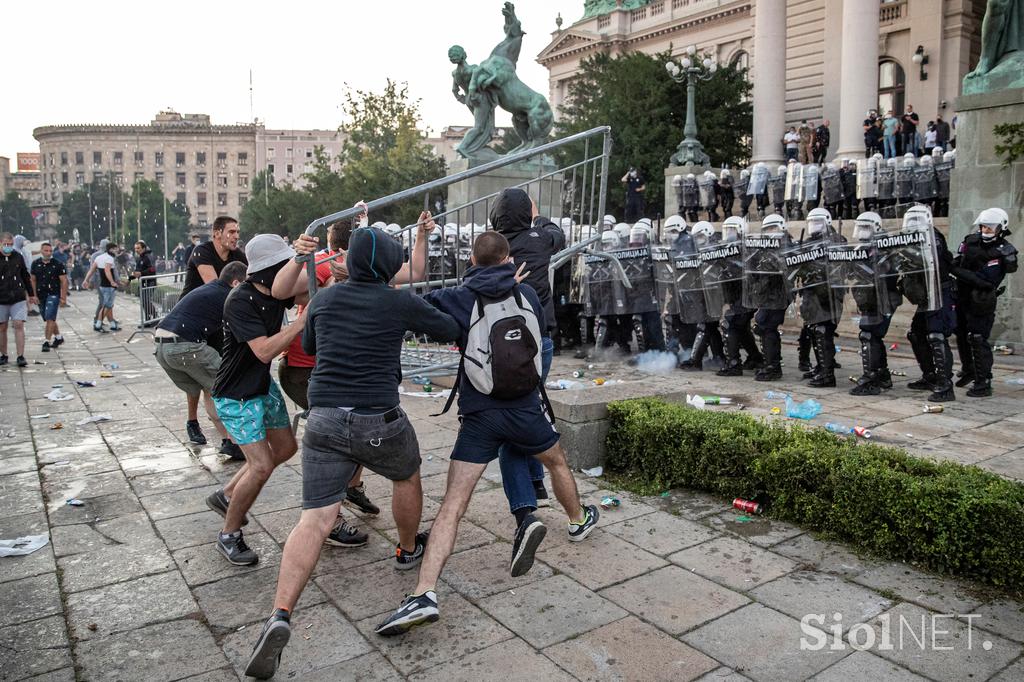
689, 70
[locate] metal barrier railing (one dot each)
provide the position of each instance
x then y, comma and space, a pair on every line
157, 295
575, 189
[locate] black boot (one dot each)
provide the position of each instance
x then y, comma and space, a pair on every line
755, 358
966, 353
942, 360
923, 355
868, 382
982, 356
804, 351
733, 367
884, 379
772, 370
700, 347
824, 342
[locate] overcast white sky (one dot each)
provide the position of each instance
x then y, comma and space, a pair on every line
114, 61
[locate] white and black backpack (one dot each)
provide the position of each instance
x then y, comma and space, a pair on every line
502, 357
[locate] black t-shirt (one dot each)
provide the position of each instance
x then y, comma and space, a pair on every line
48, 274
199, 316
206, 254
910, 122
248, 314
633, 185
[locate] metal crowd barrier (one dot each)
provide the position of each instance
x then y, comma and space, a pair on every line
157, 295
574, 187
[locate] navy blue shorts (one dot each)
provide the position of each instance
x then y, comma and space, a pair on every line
526, 430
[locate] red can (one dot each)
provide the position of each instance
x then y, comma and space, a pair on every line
748, 506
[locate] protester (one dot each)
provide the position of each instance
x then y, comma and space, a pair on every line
890, 127
248, 400
16, 293
792, 142
144, 268
355, 417
50, 284
490, 421
106, 270
206, 260
908, 129
188, 345
930, 136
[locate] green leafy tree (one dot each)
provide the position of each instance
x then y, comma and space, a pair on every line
96, 198
145, 207
15, 214
384, 151
274, 209
647, 110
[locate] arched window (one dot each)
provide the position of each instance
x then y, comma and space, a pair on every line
740, 60
892, 84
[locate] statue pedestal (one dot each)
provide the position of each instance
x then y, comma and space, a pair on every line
671, 203
980, 181
547, 193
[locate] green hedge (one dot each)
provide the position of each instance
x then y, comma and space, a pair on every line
952, 518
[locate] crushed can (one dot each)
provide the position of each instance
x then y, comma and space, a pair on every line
861, 431
610, 502
933, 409
748, 506
577, 374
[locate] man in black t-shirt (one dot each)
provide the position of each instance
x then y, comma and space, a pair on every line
188, 348
207, 260
248, 400
50, 282
909, 127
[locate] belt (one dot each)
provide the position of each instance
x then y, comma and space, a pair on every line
386, 417
171, 339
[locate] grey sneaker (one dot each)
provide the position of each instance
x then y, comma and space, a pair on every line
405, 560
355, 497
234, 549
344, 535
217, 501
579, 532
528, 537
266, 655
415, 610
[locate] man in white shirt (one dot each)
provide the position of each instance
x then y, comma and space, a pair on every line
106, 266
792, 142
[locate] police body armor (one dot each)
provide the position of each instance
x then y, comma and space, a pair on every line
831, 186
665, 280
794, 182
758, 183
722, 275
810, 179
604, 290
764, 271
867, 179
639, 297
807, 277
910, 258
926, 185
853, 269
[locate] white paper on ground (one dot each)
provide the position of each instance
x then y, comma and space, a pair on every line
593, 473
23, 546
95, 418
56, 395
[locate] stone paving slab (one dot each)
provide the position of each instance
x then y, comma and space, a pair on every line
514, 658
733, 563
34, 648
129, 605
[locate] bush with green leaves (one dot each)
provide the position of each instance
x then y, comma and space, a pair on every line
949, 517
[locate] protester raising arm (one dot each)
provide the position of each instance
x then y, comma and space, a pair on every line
415, 270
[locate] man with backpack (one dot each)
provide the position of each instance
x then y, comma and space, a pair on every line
499, 406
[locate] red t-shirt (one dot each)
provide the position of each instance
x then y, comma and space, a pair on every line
296, 356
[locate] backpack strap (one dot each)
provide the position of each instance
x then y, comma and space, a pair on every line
546, 402
455, 388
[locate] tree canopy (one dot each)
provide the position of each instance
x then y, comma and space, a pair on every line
15, 214
646, 110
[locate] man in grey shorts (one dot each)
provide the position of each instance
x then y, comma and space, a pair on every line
356, 330
188, 342
15, 294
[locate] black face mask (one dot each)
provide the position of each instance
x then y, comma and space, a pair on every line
265, 277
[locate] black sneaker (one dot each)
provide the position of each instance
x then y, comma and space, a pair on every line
266, 655
529, 535
232, 450
57, 340
355, 497
234, 549
195, 434
344, 535
22, 362
217, 501
405, 560
923, 384
3, 360
542, 494
579, 532
415, 610
46, 346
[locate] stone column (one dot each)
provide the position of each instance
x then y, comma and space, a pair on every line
858, 73
769, 76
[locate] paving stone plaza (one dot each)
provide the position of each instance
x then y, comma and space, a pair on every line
674, 587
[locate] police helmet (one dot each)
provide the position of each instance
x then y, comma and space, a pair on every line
818, 220
702, 231
917, 217
744, 173
773, 223
867, 225
609, 239
677, 180
993, 217
733, 228
640, 234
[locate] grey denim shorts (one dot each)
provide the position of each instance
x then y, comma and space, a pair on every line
336, 442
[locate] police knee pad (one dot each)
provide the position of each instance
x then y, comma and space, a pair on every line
974, 337
758, 330
936, 337
865, 337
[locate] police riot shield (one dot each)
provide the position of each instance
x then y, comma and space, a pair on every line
777, 189
758, 181
640, 296
603, 291
926, 185
690, 193
794, 182
904, 185
722, 274
706, 188
739, 186
665, 280
831, 186
441, 261
810, 178
690, 287
853, 269
849, 178
577, 280
942, 173
909, 257
764, 271
886, 178
807, 278
867, 179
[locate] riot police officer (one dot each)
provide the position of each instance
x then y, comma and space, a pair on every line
764, 287
820, 308
740, 188
726, 194
983, 260
690, 198
848, 176
708, 334
736, 318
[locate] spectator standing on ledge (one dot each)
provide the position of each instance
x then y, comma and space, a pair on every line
941, 133
890, 127
908, 125
792, 141
50, 283
15, 294
872, 134
806, 146
635, 188
929, 138
822, 138
207, 260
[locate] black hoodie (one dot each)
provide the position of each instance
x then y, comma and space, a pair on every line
532, 241
355, 329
